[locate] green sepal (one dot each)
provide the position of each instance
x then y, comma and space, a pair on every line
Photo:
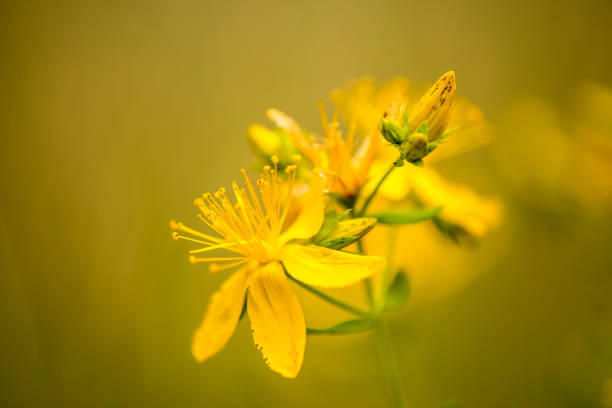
398, 291
418, 163
347, 327
449, 132
409, 216
394, 132
422, 129
405, 119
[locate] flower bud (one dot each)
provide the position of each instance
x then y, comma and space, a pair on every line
263, 141
348, 231
393, 132
415, 147
434, 107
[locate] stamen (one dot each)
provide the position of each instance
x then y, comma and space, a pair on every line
179, 226
193, 259
212, 247
176, 236
215, 267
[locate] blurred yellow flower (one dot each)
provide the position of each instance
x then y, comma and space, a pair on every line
344, 164
260, 242
563, 160
461, 207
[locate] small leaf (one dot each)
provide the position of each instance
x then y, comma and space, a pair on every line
401, 217
347, 327
398, 292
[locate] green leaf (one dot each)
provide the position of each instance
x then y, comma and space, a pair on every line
409, 216
347, 327
330, 222
398, 292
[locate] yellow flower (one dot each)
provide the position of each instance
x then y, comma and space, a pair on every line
344, 164
344, 161
254, 231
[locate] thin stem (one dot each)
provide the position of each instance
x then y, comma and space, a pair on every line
387, 358
328, 298
368, 200
367, 284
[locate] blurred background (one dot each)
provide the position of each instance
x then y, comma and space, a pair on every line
116, 114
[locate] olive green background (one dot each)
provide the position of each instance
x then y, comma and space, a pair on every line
115, 114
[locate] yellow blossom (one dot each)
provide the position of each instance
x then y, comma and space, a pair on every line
255, 231
344, 161
344, 164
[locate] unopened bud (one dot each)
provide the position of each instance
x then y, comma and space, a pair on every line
434, 107
392, 131
263, 141
415, 147
348, 231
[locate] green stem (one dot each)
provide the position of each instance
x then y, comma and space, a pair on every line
367, 284
387, 358
368, 200
327, 298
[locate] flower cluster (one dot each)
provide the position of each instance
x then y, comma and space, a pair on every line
303, 220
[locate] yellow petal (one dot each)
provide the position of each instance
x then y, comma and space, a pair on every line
328, 268
311, 217
277, 320
221, 317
